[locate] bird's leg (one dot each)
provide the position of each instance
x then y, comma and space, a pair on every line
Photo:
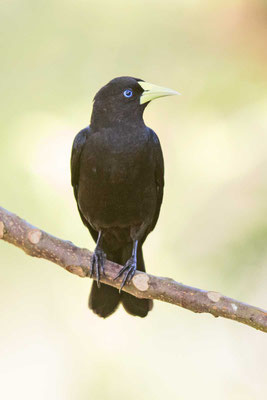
98, 260
130, 266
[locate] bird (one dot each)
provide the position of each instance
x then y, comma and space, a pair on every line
117, 175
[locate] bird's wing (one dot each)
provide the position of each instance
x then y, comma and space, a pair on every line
76, 152
159, 174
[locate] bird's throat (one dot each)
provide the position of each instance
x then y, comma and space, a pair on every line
104, 118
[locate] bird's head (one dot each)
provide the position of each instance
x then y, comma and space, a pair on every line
123, 100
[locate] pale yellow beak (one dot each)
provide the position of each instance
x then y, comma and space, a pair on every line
152, 92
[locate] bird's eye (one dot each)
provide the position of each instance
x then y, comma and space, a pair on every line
128, 93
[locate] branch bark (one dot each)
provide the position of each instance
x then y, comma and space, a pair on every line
38, 243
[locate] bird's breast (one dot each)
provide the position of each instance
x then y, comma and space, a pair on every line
116, 158
116, 180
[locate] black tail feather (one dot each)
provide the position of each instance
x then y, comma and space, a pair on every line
135, 306
104, 300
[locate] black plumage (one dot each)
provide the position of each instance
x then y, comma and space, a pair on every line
118, 177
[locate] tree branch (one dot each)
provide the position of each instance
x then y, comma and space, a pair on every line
38, 243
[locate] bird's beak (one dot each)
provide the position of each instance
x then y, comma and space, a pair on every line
152, 92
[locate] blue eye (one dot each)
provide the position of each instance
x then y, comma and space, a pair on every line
128, 93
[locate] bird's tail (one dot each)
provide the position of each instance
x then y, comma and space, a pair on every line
104, 301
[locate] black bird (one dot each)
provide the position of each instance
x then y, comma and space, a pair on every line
117, 174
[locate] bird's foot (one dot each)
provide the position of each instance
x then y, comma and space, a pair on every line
97, 264
130, 268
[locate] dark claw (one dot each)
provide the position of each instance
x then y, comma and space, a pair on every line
97, 264
130, 267
122, 271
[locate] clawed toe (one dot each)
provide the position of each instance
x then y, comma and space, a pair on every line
130, 268
97, 264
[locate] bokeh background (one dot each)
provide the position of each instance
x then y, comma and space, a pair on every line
212, 231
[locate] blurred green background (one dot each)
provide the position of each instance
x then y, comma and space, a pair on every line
212, 230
